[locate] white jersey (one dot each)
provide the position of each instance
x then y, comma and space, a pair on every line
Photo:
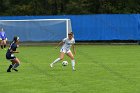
68, 43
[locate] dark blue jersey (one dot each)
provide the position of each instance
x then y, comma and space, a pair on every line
13, 47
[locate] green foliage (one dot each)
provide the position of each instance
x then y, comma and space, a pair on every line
60, 7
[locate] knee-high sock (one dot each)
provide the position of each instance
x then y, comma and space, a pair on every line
15, 65
10, 66
55, 61
4, 46
73, 63
1, 46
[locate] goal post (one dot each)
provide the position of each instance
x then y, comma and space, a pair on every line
37, 29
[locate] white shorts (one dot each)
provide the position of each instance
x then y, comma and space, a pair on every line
65, 50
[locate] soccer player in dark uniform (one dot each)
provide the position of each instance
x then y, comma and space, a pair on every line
3, 39
10, 54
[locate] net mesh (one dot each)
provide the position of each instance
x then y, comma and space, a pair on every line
37, 30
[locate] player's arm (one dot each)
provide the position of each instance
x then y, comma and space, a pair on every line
60, 43
74, 51
5, 37
13, 51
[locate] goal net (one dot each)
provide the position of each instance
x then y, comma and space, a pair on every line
37, 29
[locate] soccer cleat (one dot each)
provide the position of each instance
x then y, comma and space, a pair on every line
73, 69
8, 70
15, 70
51, 65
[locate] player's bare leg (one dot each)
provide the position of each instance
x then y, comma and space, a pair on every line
16, 64
1, 44
72, 60
4, 44
58, 59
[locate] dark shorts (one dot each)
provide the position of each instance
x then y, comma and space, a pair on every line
3, 39
10, 56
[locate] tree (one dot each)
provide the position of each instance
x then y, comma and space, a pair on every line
64, 7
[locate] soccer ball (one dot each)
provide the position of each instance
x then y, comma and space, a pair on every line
64, 63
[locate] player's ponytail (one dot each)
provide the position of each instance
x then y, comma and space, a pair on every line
15, 38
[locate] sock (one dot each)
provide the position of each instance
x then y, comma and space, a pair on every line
73, 63
10, 67
15, 65
1, 46
4, 46
55, 61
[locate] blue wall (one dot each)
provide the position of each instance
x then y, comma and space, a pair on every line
98, 27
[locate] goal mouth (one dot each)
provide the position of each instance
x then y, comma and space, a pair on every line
37, 29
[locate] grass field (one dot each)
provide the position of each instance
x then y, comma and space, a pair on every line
99, 69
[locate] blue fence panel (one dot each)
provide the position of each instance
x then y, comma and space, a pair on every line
106, 27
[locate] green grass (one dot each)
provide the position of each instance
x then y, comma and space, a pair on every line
99, 69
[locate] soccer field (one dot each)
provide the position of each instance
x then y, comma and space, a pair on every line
99, 69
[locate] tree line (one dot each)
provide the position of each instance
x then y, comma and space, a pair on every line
68, 7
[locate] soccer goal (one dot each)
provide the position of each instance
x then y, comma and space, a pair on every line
37, 29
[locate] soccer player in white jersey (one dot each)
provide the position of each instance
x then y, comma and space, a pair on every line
67, 43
